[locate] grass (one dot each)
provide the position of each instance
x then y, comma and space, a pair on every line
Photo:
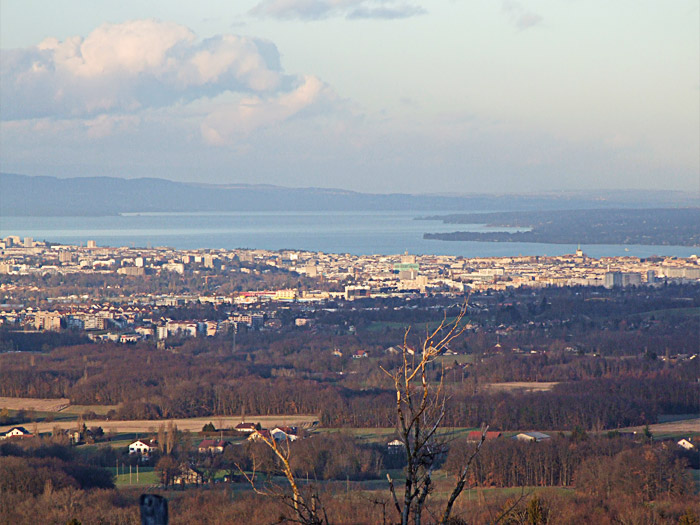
384, 435
374, 435
147, 476
31, 403
193, 425
669, 313
43, 416
97, 409
530, 386
670, 418
461, 359
377, 326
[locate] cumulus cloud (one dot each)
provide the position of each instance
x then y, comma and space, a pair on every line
230, 120
130, 66
351, 9
144, 74
521, 17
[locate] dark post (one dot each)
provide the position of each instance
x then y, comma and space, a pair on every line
154, 509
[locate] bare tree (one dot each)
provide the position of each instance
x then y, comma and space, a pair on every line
420, 410
305, 504
171, 438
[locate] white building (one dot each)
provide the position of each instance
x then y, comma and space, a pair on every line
143, 448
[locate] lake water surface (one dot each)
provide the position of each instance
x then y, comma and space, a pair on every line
358, 233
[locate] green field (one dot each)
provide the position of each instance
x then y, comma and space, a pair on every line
146, 476
669, 313
670, 418
81, 409
377, 326
384, 435
461, 359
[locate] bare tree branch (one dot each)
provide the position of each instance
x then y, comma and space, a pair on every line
420, 411
308, 510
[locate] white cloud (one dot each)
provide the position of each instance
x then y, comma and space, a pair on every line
131, 48
351, 9
230, 120
127, 67
144, 75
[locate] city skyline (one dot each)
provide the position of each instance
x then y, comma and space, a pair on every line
353, 94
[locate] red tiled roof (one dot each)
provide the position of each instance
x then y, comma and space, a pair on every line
475, 435
212, 443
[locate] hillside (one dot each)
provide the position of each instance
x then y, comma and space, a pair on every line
22, 195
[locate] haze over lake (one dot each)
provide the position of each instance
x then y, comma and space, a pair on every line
388, 232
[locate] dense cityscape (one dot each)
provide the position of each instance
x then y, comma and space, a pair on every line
128, 317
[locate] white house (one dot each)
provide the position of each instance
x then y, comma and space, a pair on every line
17, 432
247, 428
142, 447
684, 443
532, 436
284, 433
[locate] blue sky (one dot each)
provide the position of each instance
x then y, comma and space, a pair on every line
371, 95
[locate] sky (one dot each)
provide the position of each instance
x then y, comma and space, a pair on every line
410, 96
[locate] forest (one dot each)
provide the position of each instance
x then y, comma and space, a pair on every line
617, 358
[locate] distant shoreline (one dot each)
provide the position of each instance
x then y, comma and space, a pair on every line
650, 227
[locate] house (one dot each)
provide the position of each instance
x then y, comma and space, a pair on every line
475, 435
395, 447
212, 446
17, 432
284, 433
337, 352
246, 428
188, 476
129, 338
686, 444
144, 448
75, 436
360, 354
260, 434
532, 436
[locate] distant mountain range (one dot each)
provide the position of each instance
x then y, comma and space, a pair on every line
23, 195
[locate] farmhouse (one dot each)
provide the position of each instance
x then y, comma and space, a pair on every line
260, 434
144, 448
212, 446
475, 435
17, 432
686, 444
277, 433
188, 476
284, 433
247, 428
395, 447
532, 436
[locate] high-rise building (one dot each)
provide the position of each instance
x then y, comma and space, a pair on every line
613, 279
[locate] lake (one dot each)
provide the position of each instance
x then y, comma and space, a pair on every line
358, 233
